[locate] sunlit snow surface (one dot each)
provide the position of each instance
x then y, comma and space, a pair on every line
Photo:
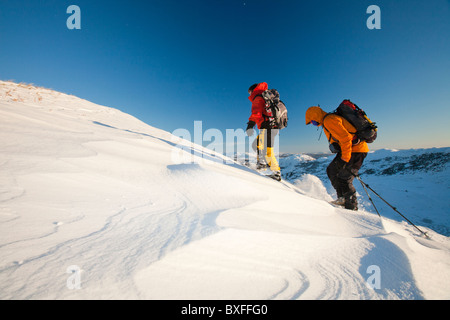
95, 204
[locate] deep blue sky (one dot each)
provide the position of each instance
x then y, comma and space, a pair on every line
170, 63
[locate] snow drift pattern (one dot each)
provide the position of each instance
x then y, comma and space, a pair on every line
89, 186
415, 181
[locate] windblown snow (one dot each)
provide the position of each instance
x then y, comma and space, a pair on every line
415, 181
95, 204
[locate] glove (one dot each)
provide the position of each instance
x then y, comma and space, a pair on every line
335, 147
345, 171
249, 129
266, 125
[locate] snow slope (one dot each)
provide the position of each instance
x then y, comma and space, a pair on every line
415, 181
95, 204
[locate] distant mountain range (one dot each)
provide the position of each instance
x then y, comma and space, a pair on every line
415, 180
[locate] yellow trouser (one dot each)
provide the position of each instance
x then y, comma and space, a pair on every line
266, 149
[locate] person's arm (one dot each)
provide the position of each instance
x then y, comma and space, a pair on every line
337, 130
258, 106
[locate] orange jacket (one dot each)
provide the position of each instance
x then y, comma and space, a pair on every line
259, 112
337, 129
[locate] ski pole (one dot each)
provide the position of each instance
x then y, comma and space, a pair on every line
370, 198
394, 208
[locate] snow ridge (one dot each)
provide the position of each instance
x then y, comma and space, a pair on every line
415, 181
89, 188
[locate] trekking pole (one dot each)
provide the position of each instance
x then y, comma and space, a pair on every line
365, 185
370, 198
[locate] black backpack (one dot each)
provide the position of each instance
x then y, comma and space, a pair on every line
366, 130
279, 119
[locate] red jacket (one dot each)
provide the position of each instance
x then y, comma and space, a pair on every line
259, 112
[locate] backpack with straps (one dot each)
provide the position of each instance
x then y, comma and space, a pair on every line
366, 130
277, 108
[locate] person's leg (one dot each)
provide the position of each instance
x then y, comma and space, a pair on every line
345, 179
332, 173
270, 154
260, 150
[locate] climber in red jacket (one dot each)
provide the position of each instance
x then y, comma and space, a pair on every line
260, 117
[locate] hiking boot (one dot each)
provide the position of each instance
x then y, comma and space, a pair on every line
339, 202
261, 166
276, 175
351, 203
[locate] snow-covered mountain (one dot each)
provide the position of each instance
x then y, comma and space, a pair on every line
95, 204
415, 181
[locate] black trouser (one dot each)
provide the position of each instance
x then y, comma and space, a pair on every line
342, 178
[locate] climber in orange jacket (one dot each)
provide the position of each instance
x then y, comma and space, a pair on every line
265, 155
350, 154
